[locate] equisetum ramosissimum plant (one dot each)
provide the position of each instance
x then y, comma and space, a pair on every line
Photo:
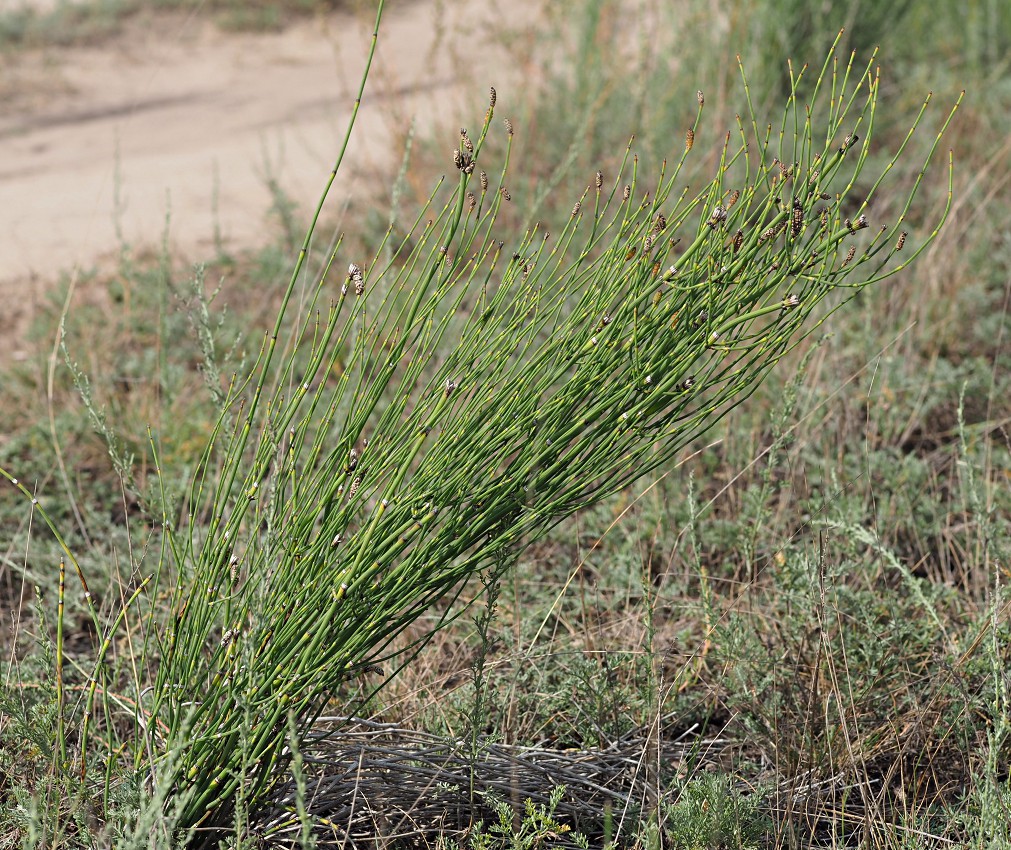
432, 414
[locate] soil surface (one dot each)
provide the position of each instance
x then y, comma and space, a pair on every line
175, 126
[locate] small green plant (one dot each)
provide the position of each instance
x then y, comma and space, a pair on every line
536, 827
709, 813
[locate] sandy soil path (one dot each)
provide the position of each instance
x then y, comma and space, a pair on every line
177, 119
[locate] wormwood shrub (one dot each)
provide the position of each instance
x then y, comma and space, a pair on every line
430, 413
708, 813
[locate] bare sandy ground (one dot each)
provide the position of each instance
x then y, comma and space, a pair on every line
176, 124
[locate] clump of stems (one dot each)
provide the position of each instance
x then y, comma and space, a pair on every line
435, 412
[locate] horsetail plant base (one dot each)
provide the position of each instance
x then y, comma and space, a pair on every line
433, 412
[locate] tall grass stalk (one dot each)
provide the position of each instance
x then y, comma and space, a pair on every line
435, 411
